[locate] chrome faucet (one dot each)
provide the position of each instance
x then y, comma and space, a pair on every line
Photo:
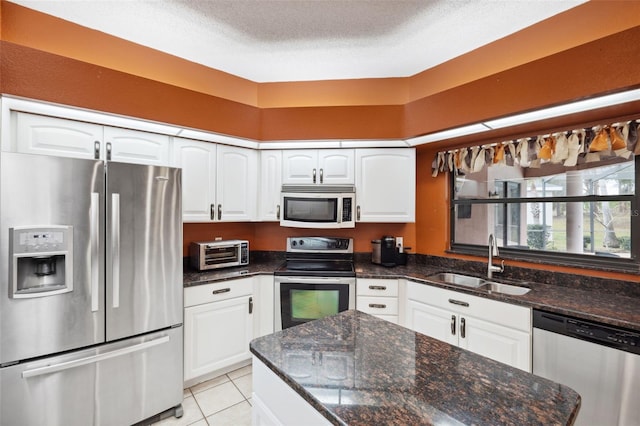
493, 251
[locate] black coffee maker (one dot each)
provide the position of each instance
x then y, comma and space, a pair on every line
384, 252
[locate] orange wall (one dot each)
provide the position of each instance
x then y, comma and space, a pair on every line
271, 236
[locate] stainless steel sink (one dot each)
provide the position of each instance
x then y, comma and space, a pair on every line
459, 279
513, 290
479, 283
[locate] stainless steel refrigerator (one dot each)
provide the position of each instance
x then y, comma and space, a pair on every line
90, 291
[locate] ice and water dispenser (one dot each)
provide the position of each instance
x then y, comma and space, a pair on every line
41, 261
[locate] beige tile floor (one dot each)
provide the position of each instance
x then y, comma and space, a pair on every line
222, 401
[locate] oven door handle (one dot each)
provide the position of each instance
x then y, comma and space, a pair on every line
324, 280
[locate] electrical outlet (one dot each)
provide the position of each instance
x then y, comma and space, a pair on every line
400, 244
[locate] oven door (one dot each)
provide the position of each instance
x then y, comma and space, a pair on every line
303, 299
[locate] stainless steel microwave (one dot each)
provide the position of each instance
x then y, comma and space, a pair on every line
218, 254
318, 206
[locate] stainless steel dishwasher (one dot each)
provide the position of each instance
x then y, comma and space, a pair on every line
600, 362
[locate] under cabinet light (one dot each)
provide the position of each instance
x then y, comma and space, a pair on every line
529, 117
572, 108
448, 134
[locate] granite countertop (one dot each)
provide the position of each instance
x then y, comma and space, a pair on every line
356, 369
601, 303
590, 303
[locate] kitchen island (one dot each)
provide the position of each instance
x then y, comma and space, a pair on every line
355, 369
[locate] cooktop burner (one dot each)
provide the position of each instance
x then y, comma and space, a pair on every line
319, 256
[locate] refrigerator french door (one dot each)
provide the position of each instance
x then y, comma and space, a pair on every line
91, 291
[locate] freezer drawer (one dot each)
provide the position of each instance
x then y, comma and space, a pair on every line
115, 384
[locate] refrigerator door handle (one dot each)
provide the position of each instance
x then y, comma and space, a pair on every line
93, 359
115, 249
94, 238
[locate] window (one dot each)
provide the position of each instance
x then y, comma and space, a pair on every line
587, 214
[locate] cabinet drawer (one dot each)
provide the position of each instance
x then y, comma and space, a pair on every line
217, 291
513, 316
377, 305
376, 287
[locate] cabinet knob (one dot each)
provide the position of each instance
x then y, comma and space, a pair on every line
358, 213
321, 176
212, 212
278, 212
453, 325
96, 150
458, 302
251, 305
219, 211
222, 290
462, 327
108, 151
314, 175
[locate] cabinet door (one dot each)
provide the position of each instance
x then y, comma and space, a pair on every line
198, 162
336, 166
39, 134
217, 335
385, 185
512, 347
270, 185
134, 146
299, 166
237, 180
432, 321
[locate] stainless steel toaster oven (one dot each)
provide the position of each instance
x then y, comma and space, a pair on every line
218, 254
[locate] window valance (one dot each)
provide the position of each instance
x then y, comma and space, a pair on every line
568, 148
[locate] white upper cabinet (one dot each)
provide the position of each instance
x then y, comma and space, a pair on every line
41, 134
135, 146
198, 162
319, 167
270, 185
236, 187
386, 185
219, 182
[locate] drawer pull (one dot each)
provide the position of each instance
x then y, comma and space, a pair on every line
377, 305
458, 302
222, 290
377, 287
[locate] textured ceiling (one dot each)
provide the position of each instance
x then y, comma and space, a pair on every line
297, 40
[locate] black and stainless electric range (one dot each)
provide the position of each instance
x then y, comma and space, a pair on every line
317, 280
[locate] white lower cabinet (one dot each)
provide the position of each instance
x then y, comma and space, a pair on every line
218, 327
378, 297
275, 403
497, 330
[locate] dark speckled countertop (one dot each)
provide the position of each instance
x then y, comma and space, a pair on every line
607, 301
393, 375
